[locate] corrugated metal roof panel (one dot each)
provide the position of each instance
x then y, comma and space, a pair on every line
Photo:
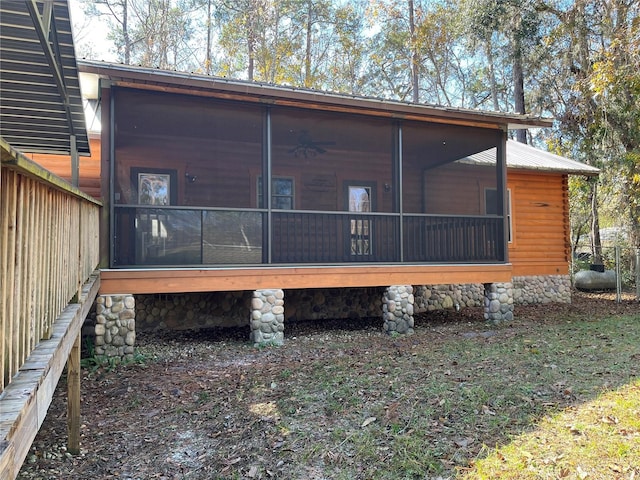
39, 109
527, 157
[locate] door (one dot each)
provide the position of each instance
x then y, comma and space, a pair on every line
360, 198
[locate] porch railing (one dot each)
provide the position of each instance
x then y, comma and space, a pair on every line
183, 236
49, 248
438, 238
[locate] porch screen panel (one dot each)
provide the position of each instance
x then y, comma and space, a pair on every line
212, 147
177, 158
447, 171
157, 236
323, 158
232, 237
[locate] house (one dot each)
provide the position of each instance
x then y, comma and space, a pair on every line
253, 190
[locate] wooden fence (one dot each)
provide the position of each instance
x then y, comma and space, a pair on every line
48, 249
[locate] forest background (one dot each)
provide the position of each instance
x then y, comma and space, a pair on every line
577, 61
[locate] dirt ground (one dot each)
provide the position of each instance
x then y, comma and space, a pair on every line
181, 412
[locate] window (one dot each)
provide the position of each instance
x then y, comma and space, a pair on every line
491, 206
282, 193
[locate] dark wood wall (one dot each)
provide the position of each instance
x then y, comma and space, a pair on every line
457, 189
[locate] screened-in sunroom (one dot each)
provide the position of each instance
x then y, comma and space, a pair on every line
208, 174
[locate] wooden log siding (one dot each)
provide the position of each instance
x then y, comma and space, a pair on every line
540, 209
49, 248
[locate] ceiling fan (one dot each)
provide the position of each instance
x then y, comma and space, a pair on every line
307, 147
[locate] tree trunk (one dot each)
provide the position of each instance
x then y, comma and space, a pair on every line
207, 61
518, 86
250, 45
596, 244
307, 53
414, 55
492, 75
125, 32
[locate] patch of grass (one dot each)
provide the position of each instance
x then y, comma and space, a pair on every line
434, 416
599, 439
553, 394
203, 396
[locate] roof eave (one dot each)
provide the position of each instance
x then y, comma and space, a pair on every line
277, 94
568, 171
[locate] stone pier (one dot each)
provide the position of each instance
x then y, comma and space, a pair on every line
115, 327
267, 317
397, 309
498, 302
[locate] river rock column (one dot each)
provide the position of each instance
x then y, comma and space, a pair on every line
397, 309
267, 317
498, 302
115, 327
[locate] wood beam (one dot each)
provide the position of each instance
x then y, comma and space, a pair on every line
73, 398
149, 281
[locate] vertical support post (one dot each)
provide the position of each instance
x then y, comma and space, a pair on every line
75, 163
498, 302
266, 181
397, 310
108, 190
398, 186
73, 401
267, 317
501, 189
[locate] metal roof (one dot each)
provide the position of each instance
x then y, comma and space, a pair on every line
40, 99
520, 155
195, 83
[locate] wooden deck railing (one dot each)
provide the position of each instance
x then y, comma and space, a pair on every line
48, 249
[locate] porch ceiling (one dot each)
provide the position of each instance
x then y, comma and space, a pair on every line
41, 104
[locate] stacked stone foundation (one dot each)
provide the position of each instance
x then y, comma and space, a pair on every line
498, 302
117, 317
115, 326
267, 317
397, 310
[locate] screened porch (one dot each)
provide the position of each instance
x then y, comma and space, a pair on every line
205, 182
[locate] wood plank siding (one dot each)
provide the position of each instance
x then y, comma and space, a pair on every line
60, 165
540, 209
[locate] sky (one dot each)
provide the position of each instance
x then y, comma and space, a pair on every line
90, 35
